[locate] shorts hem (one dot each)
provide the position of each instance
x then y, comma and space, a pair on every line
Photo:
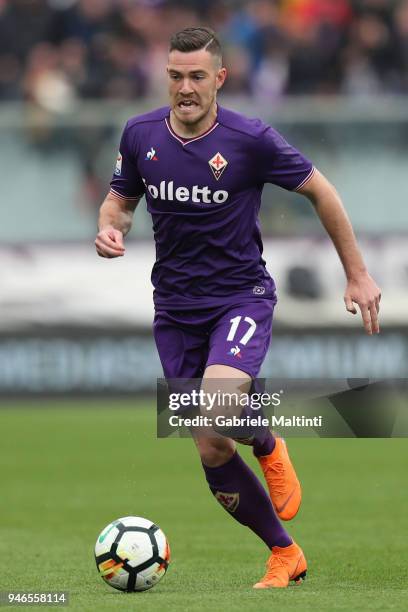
231, 365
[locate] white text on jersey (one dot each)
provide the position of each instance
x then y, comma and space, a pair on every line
199, 195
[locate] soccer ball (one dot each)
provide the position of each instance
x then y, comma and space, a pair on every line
132, 554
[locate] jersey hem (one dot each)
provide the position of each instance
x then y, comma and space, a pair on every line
210, 302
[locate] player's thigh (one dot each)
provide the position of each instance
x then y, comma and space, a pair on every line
217, 370
223, 383
182, 350
223, 387
241, 336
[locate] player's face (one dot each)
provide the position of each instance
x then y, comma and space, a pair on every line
194, 79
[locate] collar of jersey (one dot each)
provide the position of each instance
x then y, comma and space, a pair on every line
186, 141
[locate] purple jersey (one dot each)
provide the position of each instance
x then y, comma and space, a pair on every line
204, 196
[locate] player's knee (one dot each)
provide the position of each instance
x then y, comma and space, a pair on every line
215, 451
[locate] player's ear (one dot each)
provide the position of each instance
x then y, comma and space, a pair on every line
221, 76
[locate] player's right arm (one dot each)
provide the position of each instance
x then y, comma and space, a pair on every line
127, 188
115, 221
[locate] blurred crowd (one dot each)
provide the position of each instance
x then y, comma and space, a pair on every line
55, 52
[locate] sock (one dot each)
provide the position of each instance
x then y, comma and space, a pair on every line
263, 445
259, 437
239, 491
263, 442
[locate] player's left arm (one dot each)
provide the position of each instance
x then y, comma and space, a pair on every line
361, 289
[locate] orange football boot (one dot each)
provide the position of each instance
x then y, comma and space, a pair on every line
283, 484
283, 565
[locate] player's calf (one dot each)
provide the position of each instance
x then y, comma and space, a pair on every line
214, 450
238, 490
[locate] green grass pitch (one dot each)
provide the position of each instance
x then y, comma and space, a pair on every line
70, 469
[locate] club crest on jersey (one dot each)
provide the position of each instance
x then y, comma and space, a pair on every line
218, 163
151, 155
230, 501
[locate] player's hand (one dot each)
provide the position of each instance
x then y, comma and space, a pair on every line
109, 243
364, 292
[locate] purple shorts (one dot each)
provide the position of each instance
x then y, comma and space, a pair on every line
232, 335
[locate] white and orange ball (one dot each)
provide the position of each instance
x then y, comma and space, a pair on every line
132, 554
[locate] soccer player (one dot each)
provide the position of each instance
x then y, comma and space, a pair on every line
202, 169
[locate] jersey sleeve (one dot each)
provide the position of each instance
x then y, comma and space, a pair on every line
126, 181
280, 163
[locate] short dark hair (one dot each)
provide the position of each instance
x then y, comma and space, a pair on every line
194, 39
